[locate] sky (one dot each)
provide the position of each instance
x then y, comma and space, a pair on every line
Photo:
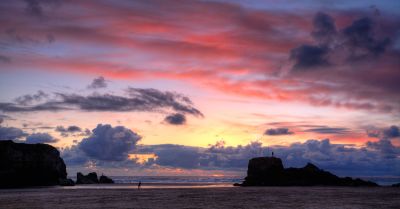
190, 87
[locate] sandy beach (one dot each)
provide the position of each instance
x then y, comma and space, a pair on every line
217, 197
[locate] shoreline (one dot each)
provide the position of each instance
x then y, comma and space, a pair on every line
173, 185
218, 197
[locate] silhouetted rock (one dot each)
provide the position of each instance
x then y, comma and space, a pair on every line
67, 182
262, 169
269, 171
91, 178
396, 185
105, 180
23, 165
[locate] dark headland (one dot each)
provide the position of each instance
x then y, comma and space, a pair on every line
27, 165
269, 171
23, 165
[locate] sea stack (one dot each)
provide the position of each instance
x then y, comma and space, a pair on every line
24, 165
105, 180
91, 178
269, 171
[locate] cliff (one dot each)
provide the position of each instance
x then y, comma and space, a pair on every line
23, 165
269, 171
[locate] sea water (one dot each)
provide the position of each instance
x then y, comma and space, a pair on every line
215, 180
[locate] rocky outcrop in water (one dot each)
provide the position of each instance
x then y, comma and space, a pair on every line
105, 180
67, 182
24, 165
269, 171
91, 178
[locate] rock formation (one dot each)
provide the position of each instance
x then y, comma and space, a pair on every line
269, 171
23, 165
105, 180
67, 182
91, 178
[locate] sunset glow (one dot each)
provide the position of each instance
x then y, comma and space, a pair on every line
199, 87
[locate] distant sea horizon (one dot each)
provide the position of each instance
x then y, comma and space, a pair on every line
381, 180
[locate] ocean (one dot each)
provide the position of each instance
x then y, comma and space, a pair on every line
129, 182
215, 180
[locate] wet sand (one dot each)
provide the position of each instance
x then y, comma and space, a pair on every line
219, 197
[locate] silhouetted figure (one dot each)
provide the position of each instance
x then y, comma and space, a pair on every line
139, 185
272, 154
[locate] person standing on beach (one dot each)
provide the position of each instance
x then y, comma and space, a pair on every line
139, 185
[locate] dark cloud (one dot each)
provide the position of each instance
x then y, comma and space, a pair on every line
277, 131
30, 98
309, 57
138, 100
343, 159
97, 83
386, 148
327, 130
74, 130
178, 156
360, 38
391, 132
103, 102
107, 146
324, 28
70, 129
40, 138
74, 156
355, 42
384, 133
154, 97
175, 119
48, 106
109, 143
11, 133
215, 157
